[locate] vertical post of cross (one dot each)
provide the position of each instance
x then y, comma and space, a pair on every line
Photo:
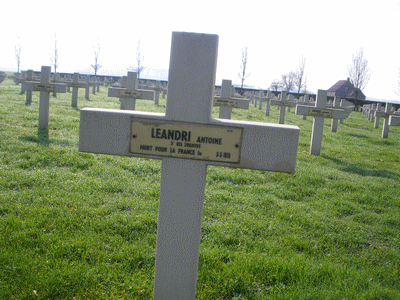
334, 122
29, 77
318, 124
385, 129
44, 101
226, 92
184, 181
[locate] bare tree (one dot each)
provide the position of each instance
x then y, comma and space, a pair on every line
139, 61
243, 74
18, 53
54, 59
275, 85
358, 72
287, 81
300, 80
96, 65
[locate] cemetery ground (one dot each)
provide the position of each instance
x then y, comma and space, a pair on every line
83, 226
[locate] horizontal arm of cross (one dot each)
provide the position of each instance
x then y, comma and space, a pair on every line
332, 113
262, 146
78, 85
45, 87
136, 94
232, 102
283, 103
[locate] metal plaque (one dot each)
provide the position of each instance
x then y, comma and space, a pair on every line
319, 112
40, 87
225, 102
285, 103
130, 94
188, 141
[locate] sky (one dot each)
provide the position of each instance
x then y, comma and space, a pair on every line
276, 33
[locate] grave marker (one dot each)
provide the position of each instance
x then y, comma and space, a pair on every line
266, 99
127, 96
282, 103
45, 88
320, 112
29, 77
75, 84
386, 115
87, 79
226, 102
2, 76
187, 139
334, 123
394, 120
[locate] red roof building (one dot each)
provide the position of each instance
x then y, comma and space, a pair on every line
345, 89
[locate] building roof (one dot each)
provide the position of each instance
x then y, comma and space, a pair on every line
345, 89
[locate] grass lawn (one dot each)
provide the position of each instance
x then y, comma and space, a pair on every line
83, 226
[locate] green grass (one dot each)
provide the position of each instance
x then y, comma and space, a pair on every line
83, 226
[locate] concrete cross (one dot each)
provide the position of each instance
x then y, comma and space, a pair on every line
187, 139
157, 89
265, 99
306, 101
45, 87
226, 102
76, 84
2, 76
127, 96
87, 89
386, 115
29, 77
320, 112
282, 103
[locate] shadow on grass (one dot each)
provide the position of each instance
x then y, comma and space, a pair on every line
41, 139
346, 167
358, 135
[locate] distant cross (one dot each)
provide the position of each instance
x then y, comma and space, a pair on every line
2, 76
29, 77
87, 89
187, 139
386, 115
377, 116
265, 99
127, 96
334, 123
226, 102
282, 103
45, 87
157, 90
76, 84
320, 112
306, 101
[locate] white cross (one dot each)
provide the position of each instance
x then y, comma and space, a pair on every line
265, 99
127, 96
282, 103
2, 76
76, 84
187, 139
29, 77
320, 112
226, 102
386, 115
45, 87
